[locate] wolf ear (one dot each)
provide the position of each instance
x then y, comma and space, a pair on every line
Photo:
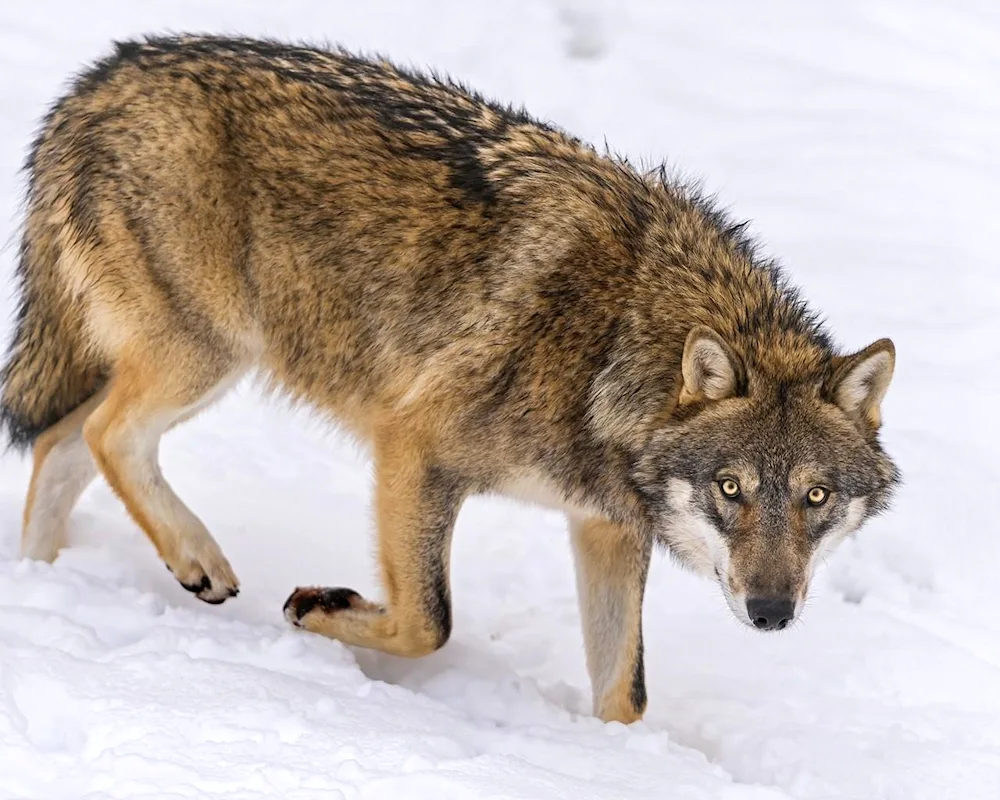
860, 381
709, 367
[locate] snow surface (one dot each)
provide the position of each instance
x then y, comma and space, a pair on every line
861, 138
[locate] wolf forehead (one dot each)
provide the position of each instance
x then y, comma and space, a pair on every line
787, 439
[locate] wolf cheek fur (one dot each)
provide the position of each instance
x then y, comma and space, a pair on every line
489, 302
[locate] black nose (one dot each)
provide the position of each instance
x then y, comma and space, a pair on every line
770, 613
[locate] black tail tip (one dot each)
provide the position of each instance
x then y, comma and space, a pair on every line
21, 433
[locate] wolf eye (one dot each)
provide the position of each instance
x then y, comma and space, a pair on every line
730, 488
817, 496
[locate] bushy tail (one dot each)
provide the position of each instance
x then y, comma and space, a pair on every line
49, 370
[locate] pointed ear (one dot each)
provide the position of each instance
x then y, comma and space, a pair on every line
709, 368
860, 381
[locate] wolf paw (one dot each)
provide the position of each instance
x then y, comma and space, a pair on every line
309, 598
40, 550
208, 577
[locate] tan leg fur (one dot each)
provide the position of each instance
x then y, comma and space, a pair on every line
143, 401
611, 568
62, 469
416, 506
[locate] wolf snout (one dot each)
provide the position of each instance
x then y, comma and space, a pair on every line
770, 613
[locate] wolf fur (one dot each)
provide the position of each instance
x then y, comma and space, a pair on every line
490, 303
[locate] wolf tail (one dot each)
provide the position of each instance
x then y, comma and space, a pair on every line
49, 369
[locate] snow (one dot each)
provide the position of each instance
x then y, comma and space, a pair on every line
861, 138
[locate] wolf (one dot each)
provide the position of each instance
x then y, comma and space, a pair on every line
490, 304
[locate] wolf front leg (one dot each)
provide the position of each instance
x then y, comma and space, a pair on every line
416, 505
611, 567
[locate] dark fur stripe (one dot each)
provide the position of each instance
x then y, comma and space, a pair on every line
637, 695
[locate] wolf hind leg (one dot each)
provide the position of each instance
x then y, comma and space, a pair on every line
147, 395
416, 503
62, 470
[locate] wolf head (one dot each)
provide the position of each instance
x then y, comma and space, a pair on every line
754, 479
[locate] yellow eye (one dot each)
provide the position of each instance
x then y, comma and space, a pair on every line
730, 488
817, 495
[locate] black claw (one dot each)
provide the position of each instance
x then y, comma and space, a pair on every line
204, 584
303, 601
